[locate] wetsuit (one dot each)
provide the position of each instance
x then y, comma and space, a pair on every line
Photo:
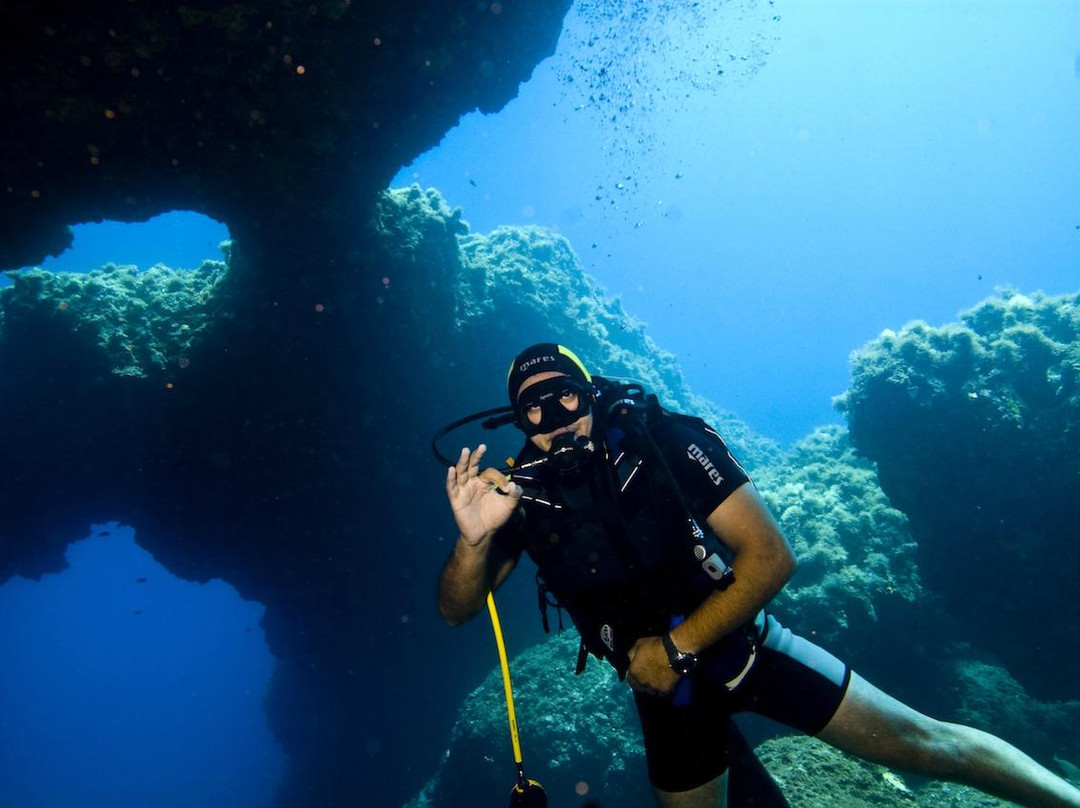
613, 547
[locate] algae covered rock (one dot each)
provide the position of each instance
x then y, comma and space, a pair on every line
989, 697
975, 430
529, 281
143, 322
579, 735
475, 299
857, 587
814, 775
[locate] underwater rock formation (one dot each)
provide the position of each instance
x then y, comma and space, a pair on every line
280, 119
857, 586
142, 323
975, 430
259, 446
577, 732
990, 697
811, 773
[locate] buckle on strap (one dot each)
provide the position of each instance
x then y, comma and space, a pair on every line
755, 632
731, 684
582, 658
543, 601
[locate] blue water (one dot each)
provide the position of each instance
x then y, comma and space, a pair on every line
866, 164
179, 239
120, 681
888, 162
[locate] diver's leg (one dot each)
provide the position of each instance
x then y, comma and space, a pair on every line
873, 725
709, 795
685, 746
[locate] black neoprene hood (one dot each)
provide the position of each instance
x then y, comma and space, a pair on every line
541, 358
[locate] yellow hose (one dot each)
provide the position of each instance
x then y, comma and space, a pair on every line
507, 687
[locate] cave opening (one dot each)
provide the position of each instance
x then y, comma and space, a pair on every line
124, 685
180, 239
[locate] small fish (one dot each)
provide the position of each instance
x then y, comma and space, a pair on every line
137, 611
679, 175
140, 580
104, 533
472, 182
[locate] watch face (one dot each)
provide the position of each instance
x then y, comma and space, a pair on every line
684, 664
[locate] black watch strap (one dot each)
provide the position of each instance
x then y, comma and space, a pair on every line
681, 662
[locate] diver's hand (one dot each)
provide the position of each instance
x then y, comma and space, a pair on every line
482, 501
649, 671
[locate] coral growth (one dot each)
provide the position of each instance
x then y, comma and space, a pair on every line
856, 555
573, 730
145, 322
975, 430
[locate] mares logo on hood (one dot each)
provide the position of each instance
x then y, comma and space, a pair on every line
534, 361
541, 358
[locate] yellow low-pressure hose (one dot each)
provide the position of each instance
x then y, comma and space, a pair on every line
526, 793
507, 687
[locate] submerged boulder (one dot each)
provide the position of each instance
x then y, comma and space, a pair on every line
857, 587
579, 735
975, 431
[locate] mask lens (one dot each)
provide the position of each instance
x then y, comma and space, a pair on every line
551, 404
569, 400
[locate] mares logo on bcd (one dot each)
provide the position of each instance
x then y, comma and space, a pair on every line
607, 636
694, 452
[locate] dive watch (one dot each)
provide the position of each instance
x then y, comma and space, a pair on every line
680, 661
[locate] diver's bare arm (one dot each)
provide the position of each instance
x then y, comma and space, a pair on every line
763, 563
470, 573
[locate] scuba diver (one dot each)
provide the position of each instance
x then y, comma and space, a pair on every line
648, 533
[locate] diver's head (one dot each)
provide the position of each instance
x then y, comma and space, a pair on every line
551, 393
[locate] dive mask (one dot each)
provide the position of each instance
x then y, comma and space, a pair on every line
552, 404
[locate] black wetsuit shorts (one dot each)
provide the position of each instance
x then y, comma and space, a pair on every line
766, 670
